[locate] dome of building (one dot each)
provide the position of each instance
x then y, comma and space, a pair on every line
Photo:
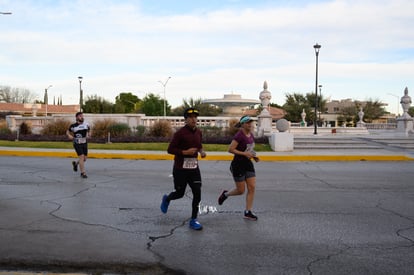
232, 104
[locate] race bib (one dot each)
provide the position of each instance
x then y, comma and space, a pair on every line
80, 140
190, 163
250, 148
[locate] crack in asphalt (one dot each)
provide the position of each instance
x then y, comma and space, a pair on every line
327, 257
306, 175
112, 268
398, 232
59, 206
203, 210
153, 239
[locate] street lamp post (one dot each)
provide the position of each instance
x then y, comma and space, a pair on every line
164, 84
317, 48
80, 93
46, 99
319, 102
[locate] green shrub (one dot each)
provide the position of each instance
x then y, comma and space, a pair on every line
56, 128
4, 130
25, 129
211, 131
119, 130
140, 130
161, 128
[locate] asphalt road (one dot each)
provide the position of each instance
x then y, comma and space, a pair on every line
314, 218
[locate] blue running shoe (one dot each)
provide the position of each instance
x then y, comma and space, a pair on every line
164, 204
194, 224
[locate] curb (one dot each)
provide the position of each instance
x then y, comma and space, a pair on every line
149, 156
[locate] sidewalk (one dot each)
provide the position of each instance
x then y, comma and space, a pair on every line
296, 155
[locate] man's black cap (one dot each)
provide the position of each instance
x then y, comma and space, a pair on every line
190, 111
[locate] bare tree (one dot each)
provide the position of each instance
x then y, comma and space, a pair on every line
16, 95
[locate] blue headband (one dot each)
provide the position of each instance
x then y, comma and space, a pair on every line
245, 119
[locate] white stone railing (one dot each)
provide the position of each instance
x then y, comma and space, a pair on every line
134, 120
381, 126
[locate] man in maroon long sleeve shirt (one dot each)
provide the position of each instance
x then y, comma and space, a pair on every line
185, 146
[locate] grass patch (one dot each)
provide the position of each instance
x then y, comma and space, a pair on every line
150, 146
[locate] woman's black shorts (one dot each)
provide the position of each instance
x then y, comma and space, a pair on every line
242, 170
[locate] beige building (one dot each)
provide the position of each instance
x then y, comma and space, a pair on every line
334, 108
37, 109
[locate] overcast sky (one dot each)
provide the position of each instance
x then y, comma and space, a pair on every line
209, 48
